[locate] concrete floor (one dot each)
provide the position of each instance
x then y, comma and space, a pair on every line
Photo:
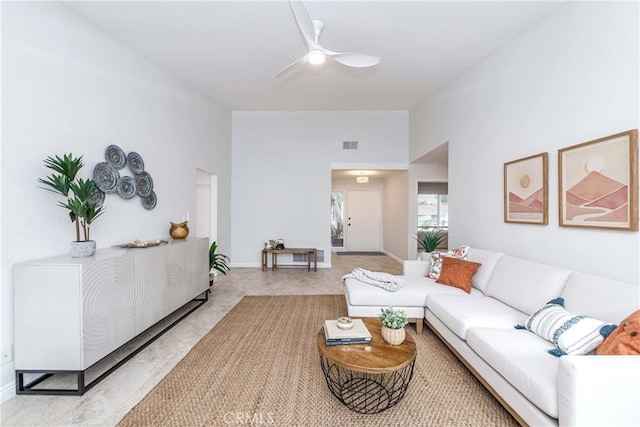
111, 399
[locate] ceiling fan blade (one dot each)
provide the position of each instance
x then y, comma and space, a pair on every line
305, 23
292, 65
356, 60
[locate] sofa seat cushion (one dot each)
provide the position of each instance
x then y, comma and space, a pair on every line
461, 312
522, 359
526, 285
413, 294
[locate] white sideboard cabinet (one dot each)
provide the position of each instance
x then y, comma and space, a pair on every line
72, 312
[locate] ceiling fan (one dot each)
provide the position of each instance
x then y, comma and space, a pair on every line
317, 54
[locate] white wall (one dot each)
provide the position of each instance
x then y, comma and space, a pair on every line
69, 87
570, 79
395, 220
282, 172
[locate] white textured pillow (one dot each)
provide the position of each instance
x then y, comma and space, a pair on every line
570, 334
436, 260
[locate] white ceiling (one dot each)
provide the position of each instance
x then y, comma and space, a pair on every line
231, 50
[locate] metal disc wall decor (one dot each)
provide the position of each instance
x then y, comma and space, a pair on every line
105, 177
115, 156
108, 180
126, 187
144, 184
135, 162
150, 201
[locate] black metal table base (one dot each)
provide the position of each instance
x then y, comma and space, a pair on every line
363, 392
81, 386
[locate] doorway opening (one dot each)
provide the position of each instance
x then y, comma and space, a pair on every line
206, 205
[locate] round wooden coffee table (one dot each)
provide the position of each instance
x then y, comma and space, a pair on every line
368, 378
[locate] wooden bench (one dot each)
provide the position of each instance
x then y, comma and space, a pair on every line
310, 252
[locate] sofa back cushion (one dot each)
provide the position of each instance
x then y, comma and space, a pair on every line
604, 299
526, 285
488, 259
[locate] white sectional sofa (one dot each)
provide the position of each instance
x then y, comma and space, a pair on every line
535, 386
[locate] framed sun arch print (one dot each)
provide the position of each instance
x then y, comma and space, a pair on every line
598, 183
526, 190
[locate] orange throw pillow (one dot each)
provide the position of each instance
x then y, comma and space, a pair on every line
458, 273
625, 339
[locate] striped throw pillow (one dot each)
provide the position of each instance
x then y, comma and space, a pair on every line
570, 334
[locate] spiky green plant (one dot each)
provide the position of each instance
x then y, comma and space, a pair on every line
77, 192
429, 240
218, 261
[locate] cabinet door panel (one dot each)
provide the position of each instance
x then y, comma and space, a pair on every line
179, 260
199, 280
188, 271
48, 327
108, 299
151, 286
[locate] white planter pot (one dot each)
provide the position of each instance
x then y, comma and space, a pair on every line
426, 256
83, 249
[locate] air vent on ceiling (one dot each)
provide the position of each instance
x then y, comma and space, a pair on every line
349, 145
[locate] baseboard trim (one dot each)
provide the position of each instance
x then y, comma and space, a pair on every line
8, 391
258, 265
392, 256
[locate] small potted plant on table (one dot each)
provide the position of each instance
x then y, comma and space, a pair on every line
83, 199
393, 323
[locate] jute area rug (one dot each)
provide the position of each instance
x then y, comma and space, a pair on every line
260, 366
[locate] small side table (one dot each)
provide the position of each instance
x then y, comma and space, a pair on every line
311, 253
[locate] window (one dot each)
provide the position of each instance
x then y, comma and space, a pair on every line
433, 210
433, 205
337, 219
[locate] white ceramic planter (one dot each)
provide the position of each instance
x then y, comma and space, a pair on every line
426, 256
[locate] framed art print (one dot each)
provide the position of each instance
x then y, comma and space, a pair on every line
598, 183
526, 190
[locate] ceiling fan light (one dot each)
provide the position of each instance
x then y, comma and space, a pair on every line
316, 57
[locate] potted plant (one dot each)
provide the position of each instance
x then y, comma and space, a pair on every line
83, 200
393, 323
217, 263
429, 240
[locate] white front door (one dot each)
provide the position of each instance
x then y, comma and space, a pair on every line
363, 222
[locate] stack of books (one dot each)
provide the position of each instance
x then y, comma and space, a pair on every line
358, 334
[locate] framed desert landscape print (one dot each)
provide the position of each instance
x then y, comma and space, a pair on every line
598, 183
526, 190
